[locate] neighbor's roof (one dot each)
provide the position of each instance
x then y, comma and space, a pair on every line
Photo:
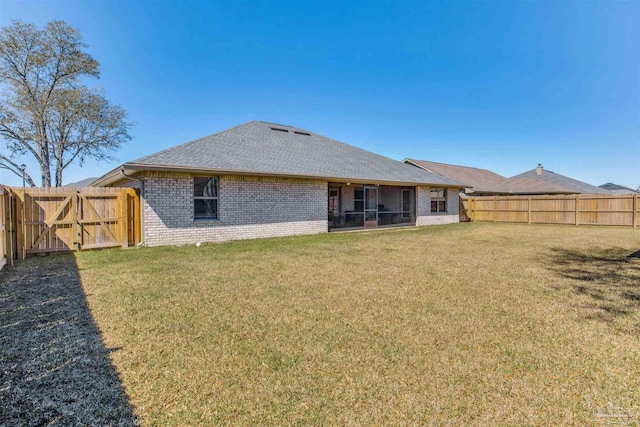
82, 183
571, 185
485, 181
269, 149
526, 185
482, 180
617, 188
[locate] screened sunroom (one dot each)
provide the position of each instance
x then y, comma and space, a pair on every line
354, 206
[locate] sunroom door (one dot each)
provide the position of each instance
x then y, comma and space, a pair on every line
370, 207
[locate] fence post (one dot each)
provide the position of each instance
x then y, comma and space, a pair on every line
635, 211
137, 212
11, 232
76, 228
495, 203
124, 213
529, 209
3, 229
472, 216
577, 208
469, 209
23, 226
8, 232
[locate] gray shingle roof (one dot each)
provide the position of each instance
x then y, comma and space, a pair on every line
616, 188
265, 148
572, 185
82, 183
526, 185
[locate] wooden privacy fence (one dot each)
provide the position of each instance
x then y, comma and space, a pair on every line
43, 220
581, 209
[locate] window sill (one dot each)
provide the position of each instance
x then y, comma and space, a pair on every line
206, 220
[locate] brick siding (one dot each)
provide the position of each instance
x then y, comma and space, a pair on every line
252, 207
248, 207
424, 216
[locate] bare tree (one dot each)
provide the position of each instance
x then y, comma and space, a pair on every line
45, 109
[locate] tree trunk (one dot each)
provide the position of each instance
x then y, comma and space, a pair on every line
46, 172
58, 175
45, 165
46, 176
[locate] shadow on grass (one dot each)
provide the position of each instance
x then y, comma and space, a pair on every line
54, 367
608, 278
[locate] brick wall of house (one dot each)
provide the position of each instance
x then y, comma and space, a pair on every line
253, 207
423, 207
249, 207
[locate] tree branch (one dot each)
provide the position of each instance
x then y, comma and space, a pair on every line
7, 163
47, 112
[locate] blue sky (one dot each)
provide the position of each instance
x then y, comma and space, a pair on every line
496, 85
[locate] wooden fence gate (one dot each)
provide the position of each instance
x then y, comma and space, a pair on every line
43, 220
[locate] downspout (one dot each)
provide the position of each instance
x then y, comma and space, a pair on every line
141, 181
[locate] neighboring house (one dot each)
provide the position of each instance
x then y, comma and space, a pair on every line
618, 189
82, 183
484, 182
481, 181
542, 178
263, 180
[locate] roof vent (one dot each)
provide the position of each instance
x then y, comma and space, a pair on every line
280, 129
302, 133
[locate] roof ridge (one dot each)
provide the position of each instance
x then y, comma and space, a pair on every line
534, 170
275, 124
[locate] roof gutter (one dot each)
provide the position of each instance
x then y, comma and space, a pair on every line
133, 178
108, 178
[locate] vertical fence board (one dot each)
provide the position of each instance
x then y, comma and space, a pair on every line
21, 230
3, 228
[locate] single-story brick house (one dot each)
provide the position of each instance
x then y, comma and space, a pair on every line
264, 180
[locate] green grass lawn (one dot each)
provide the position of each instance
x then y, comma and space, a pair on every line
462, 324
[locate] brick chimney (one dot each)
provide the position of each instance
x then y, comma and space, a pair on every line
539, 169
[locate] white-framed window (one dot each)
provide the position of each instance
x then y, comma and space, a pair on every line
438, 200
205, 197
